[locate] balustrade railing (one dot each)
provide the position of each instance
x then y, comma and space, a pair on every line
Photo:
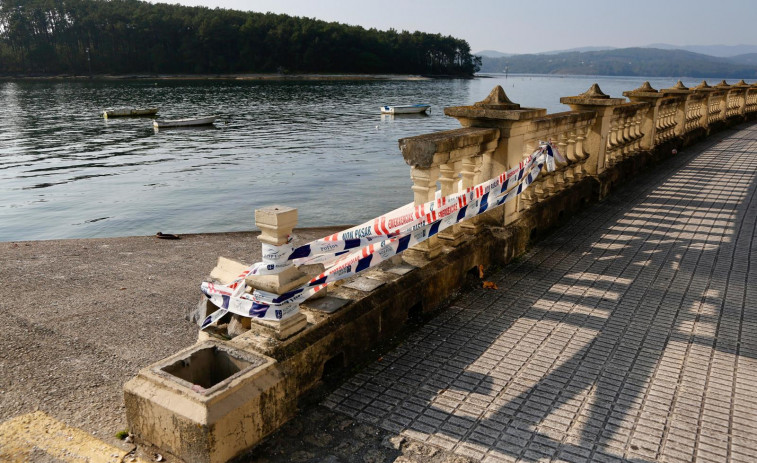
716, 112
499, 136
751, 99
666, 120
567, 132
694, 112
625, 133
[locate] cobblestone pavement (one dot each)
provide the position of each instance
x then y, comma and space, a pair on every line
630, 334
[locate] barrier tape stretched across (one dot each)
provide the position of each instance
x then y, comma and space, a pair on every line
381, 239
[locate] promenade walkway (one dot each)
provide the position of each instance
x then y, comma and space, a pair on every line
628, 335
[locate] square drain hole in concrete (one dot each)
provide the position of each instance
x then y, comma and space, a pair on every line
209, 366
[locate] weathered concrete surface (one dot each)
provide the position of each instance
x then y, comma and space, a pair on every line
81, 317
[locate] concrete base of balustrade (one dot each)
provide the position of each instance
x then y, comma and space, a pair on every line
208, 403
344, 329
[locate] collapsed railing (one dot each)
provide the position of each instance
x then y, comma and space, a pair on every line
359, 248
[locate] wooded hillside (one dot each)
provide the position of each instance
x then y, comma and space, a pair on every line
132, 36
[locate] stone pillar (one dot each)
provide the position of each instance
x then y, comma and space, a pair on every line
497, 111
468, 168
449, 182
707, 91
683, 92
647, 94
743, 89
596, 141
276, 224
725, 87
424, 190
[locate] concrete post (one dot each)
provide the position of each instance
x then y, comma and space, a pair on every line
424, 190
682, 92
596, 140
449, 183
725, 87
497, 111
468, 168
276, 224
743, 89
647, 94
707, 91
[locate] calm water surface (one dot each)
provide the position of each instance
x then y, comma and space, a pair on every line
322, 147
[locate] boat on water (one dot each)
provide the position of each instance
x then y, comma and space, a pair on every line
129, 112
191, 122
405, 109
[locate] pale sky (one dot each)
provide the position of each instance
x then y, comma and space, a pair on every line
532, 26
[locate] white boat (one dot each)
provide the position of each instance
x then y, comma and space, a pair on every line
129, 112
195, 121
405, 109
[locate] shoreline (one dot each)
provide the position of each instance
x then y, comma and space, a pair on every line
253, 76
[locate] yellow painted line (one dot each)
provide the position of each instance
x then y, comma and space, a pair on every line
30, 437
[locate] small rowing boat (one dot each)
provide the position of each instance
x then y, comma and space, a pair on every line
405, 109
129, 112
207, 120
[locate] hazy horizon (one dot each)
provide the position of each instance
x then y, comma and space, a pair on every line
530, 27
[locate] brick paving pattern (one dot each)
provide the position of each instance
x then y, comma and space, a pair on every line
630, 334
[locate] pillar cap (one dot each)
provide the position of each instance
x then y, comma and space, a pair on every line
497, 99
677, 88
644, 91
592, 97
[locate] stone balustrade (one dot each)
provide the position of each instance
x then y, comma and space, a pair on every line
597, 134
567, 131
751, 99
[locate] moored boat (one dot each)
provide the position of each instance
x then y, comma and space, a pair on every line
405, 109
195, 121
129, 112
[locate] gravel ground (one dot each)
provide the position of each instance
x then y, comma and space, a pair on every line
81, 317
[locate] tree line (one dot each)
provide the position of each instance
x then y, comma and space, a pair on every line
131, 36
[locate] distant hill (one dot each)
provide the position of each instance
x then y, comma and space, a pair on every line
492, 54
749, 59
722, 51
649, 62
579, 49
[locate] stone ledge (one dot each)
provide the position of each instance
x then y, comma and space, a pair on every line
419, 151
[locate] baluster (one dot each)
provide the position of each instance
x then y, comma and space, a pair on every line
468, 169
424, 189
627, 136
448, 179
571, 152
581, 134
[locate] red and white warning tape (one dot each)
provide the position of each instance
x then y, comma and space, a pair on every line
359, 248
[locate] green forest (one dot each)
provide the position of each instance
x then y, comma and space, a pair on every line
86, 37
